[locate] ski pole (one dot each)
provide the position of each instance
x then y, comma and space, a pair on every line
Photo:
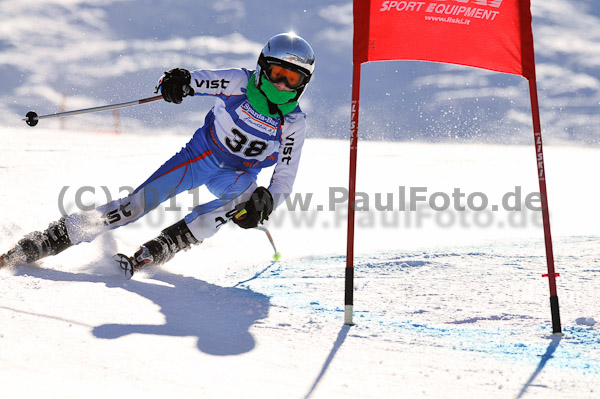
276, 254
32, 118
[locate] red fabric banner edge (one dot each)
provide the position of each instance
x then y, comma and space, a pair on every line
362, 21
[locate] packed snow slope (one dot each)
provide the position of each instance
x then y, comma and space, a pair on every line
449, 303
83, 53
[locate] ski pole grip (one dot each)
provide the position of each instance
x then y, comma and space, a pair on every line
240, 214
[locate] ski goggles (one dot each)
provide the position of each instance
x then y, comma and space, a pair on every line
292, 79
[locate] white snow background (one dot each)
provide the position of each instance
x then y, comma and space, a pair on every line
447, 303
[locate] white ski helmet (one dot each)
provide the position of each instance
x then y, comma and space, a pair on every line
291, 52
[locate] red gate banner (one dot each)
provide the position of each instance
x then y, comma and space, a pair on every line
489, 34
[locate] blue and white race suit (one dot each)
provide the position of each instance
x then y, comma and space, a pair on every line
225, 154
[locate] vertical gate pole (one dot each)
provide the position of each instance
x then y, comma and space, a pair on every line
349, 295
537, 134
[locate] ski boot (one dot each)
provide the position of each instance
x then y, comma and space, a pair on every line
159, 250
37, 245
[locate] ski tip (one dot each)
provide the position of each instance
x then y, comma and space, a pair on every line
125, 265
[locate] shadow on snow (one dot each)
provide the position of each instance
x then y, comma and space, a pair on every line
219, 317
544, 359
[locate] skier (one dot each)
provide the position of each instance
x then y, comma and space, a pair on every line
256, 122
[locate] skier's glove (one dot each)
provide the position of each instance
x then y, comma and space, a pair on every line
256, 210
175, 84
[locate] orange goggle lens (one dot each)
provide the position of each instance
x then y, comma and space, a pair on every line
292, 79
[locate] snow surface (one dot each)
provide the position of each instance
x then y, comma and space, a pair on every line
443, 309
